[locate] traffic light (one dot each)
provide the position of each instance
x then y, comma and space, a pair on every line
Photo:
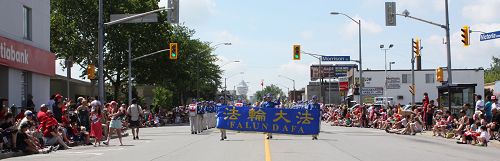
439, 74
416, 47
173, 51
296, 52
465, 35
412, 89
91, 71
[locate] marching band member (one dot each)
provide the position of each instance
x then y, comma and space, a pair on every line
268, 103
200, 111
192, 117
220, 113
313, 104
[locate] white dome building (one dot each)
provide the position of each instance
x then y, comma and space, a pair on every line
242, 88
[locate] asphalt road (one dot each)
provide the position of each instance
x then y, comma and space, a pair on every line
335, 143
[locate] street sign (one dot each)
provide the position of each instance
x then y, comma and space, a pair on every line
328, 71
372, 91
490, 36
335, 58
393, 83
341, 70
145, 19
390, 13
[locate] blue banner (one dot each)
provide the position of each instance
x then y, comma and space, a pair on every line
270, 120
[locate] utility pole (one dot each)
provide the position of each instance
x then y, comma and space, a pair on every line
413, 72
129, 71
448, 49
100, 43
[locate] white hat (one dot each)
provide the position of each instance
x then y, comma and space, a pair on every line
95, 103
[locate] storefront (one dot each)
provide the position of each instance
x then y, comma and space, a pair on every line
24, 70
26, 63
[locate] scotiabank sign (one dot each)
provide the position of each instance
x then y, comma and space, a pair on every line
18, 55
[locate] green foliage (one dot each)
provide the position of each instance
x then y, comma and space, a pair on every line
274, 90
162, 98
74, 35
492, 74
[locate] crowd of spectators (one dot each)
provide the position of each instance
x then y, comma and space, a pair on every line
476, 128
58, 125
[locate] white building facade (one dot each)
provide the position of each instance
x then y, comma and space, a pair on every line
26, 63
425, 82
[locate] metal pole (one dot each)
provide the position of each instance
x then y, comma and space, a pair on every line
101, 52
329, 90
412, 72
225, 88
385, 80
448, 53
294, 97
320, 80
129, 71
68, 76
197, 78
362, 82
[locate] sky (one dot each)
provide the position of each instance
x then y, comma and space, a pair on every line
262, 33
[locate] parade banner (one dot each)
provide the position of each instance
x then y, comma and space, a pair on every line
271, 120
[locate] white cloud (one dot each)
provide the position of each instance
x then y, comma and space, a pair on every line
482, 10
351, 28
226, 36
306, 35
296, 70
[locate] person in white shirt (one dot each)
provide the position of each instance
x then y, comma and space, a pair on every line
135, 114
494, 102
479, 103
484, 137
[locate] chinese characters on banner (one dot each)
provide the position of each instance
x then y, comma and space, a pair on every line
272, 120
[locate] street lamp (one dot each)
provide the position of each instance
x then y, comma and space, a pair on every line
214, 47
385, 69
362, 82
390, 65
293, 85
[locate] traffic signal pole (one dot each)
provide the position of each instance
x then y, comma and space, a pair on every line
446, 27
317, 56
130, 60
413, 73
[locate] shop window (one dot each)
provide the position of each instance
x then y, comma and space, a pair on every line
406, 78
429, 78
27, 23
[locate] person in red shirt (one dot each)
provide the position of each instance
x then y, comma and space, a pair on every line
51, 135
42, 116
425, 102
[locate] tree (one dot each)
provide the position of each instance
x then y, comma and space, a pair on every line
162, 98
274, 90
74, 35
492, 74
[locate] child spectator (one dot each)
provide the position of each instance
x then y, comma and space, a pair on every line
95, 121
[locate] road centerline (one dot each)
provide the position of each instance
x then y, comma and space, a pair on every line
267, 149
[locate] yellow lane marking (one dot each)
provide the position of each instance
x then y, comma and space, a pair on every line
267, 149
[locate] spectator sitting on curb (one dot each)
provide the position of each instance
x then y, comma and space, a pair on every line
51, 135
